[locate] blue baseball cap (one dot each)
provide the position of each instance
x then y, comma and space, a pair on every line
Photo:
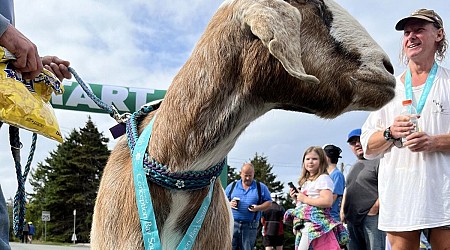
353, 133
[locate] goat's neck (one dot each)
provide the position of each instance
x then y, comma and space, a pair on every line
195, 129
210, 102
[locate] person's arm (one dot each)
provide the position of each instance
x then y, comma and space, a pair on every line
422, 142
265, 199
341, 212
4, 23
324, 200
416, 142
334, 197
375, 208
27, 60
265, 205
338, 186
233, 203
57, 66
377, 144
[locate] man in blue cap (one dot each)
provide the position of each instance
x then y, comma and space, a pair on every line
360, 205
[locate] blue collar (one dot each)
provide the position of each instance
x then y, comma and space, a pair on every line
143, 198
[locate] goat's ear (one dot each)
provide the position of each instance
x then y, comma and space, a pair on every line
277, 25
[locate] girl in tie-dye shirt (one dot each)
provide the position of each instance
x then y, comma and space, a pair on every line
317, 229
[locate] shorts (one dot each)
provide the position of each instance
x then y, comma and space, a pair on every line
427, 231
273, 240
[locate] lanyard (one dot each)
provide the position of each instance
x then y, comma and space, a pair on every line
426, 89
144, 202
188, 240
143, 198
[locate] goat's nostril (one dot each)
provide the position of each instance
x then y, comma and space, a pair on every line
388, 66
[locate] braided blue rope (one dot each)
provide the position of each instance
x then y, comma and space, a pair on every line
91, 95
20, 197
185, 180
159, 173
131, 125
156, 172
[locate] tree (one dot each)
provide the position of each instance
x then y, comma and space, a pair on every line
69, 180
263, 173
232, 175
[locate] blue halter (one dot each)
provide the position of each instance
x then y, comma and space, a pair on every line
143, 168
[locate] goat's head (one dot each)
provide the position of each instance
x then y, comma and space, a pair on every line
321, 59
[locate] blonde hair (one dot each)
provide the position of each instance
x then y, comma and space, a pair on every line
322, 166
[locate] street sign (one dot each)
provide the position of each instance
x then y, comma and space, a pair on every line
74, 237
45, 215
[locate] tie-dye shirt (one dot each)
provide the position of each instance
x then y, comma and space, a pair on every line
321, 219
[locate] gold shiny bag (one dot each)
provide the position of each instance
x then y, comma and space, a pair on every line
25, 103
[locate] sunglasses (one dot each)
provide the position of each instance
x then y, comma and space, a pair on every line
353, 142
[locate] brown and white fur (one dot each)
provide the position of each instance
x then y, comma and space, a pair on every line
255, 55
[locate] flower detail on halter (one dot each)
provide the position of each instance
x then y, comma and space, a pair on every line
180, 184
159, 173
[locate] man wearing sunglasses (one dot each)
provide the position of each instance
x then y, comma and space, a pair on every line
360, 204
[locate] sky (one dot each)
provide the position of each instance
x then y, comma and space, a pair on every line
139, 43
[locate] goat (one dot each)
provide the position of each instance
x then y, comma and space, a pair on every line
255, 55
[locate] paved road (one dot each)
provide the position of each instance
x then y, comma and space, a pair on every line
21, 246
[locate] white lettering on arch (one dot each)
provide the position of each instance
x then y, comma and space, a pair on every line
78, 96
115, 95
141, 96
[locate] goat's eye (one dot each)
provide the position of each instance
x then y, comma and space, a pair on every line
318, 4
323, 11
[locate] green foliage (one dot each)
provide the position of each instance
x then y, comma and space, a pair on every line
69, 180
289, 237
263, 173
232, 174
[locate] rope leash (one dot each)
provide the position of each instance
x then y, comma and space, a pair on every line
145, 166
155, 171
14, 138
159, 173
20, 197
110, 109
